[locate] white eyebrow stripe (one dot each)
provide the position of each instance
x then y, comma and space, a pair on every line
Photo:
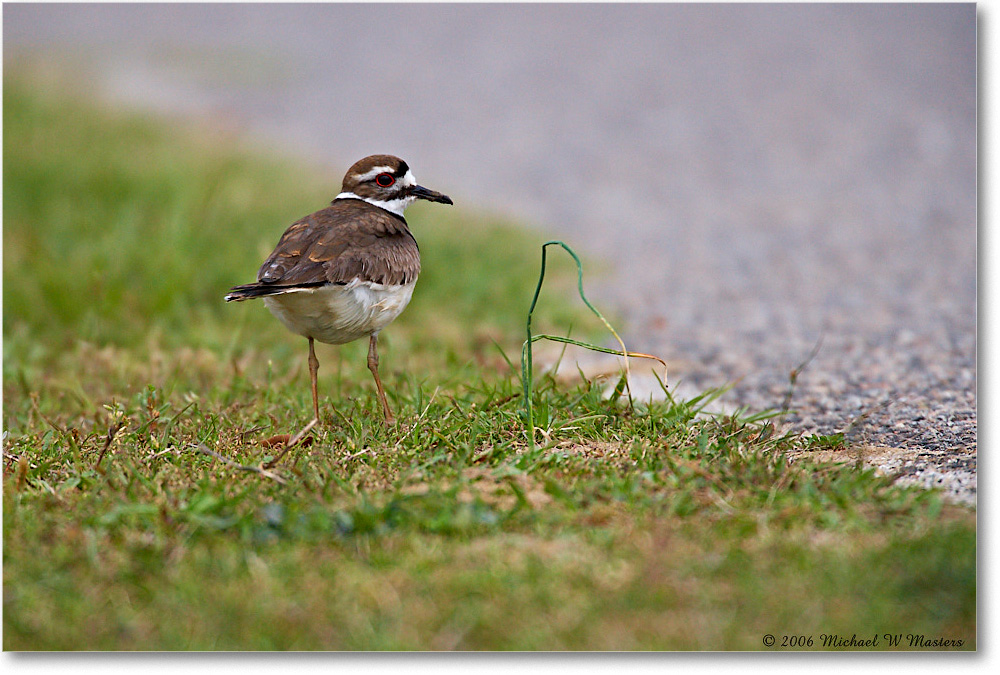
371, 173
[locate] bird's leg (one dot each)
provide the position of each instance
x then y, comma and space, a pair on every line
313, 369
373, 366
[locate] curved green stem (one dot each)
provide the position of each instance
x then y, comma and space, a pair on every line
527, 364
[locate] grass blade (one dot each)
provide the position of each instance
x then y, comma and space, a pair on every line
527, 361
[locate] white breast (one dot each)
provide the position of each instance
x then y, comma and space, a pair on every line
336, 314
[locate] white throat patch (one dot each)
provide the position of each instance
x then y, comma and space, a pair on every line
396, 206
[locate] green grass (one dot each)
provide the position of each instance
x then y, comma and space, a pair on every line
658, 527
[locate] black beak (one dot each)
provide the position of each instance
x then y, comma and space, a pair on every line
431, 196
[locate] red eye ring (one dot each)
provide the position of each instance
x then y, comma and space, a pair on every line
385, 179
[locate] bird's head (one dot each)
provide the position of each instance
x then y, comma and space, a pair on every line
387, 182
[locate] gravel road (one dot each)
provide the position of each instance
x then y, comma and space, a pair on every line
761, 176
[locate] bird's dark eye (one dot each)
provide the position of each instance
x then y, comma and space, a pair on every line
385, 179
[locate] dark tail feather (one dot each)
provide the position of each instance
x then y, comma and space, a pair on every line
259, 290
247, 291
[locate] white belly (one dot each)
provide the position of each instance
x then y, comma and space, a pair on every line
338, 314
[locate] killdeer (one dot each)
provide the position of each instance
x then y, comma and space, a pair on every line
347, 271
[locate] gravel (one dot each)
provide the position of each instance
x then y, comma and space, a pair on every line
762, 177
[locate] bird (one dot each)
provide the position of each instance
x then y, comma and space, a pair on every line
348, 270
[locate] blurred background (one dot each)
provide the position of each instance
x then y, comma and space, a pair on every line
757, 178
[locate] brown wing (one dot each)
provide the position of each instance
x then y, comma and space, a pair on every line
349, 239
